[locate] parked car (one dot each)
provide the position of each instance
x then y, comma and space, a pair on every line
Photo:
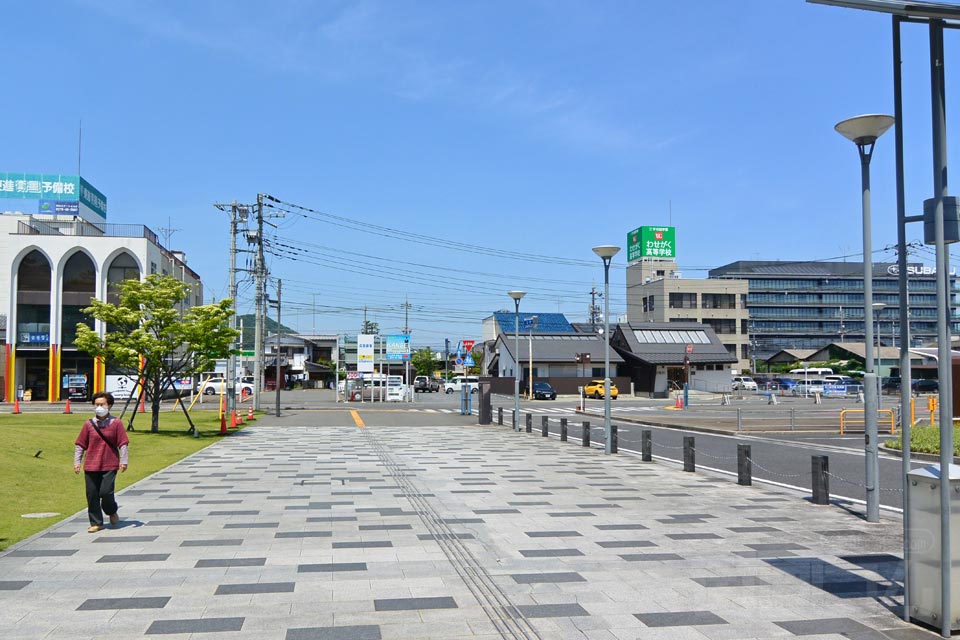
807, 387
456, 384
426, 384
595, 389
744, 382
890, 385
214, 386
786, 383
543, 391
925, 385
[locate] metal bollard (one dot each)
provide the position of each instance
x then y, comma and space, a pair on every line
529, 423
744, 465
613, 438
563, 429
515, 418
544, 426
689, 455
500, 416
739, 420
821, 481
585, 435
646, 445
793, 419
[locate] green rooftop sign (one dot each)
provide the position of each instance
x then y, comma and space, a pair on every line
651, 242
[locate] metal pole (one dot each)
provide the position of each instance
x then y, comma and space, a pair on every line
944, 359
336, 382
608, 445
516, 359
277, 369
872, 460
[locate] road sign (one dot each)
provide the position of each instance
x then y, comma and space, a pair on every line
458, 361
469, 360
468, 345
689, 348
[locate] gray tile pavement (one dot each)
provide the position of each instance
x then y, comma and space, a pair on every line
451, 531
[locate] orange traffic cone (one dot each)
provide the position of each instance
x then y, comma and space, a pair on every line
250, 414
223, 424
679, 404
67, 408
233, 420
16, 405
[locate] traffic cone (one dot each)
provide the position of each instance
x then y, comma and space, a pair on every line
67, 408
679, 404
233, 420
223, 424
16, 405
250, 414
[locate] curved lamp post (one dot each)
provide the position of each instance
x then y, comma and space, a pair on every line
516, 295
863, 131
606, 253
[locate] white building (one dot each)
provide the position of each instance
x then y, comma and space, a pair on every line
52, 266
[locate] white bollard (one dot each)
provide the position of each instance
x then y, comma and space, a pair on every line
816, 398
772, 399
724, 399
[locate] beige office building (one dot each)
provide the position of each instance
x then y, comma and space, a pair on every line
657, 292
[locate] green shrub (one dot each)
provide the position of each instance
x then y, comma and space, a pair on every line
926, 440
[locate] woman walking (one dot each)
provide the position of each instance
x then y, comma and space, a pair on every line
104, 441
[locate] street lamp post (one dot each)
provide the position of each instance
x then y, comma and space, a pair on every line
863, 131
516, 295
606, 253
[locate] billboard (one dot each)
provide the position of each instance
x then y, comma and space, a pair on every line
398, 347
651, 242
365, 351
52, 193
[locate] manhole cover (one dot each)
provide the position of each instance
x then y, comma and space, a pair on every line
44, 514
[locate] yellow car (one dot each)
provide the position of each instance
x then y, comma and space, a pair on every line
595, 389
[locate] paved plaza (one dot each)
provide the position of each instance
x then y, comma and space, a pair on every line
310, 526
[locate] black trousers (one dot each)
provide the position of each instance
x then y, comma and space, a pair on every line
100, 494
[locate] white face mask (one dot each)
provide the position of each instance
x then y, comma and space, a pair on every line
101, 410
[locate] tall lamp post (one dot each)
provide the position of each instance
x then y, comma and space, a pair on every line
863, 131
516, 295
606, 253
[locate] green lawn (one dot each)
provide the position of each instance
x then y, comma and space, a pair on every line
46, 483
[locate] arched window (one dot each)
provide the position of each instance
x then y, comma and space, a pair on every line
33, 301
123, 267
79, 286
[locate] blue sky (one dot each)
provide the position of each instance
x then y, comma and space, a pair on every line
481, 132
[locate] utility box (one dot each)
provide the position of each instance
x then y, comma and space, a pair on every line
923, 538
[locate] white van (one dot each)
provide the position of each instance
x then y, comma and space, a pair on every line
473, 382
813, 372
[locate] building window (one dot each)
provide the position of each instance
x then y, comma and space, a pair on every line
722, 325
744, 352
645, 309
153, 267
743, 301
745, 327
732, 349
683, 301
651, 303
719, 301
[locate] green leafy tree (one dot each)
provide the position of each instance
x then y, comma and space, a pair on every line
147, 323
424, 362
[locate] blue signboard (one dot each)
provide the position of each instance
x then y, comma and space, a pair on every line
398, 347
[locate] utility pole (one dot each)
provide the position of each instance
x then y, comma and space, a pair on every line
260, 295
277, 368
594, 309
237, 212
406, 332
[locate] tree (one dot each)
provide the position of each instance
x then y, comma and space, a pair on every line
423, 361
146, 323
